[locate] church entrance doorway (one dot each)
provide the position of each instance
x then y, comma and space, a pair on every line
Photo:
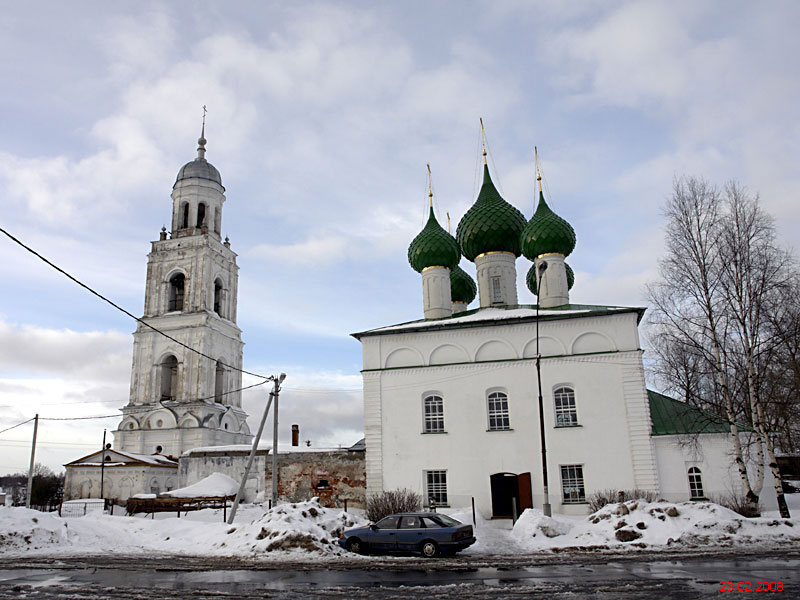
511, 494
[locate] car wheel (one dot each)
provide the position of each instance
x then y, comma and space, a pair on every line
355, 545
429, 549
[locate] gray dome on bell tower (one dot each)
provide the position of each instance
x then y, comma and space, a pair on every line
199, 168
198, 196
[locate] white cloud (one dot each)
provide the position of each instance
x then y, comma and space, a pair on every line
99, 356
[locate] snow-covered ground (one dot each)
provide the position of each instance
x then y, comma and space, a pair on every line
306, 527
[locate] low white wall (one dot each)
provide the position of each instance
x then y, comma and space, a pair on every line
713, 454
119, 482
197, 466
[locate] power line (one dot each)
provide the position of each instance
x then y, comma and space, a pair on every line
25, 443
17, 425
119, 308
78, 418
247, 387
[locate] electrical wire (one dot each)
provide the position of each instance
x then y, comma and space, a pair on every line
17, 425
119, 308
214, 397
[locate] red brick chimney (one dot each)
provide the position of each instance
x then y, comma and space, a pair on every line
295, 435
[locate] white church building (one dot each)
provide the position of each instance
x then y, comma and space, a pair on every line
186, 379
451, 401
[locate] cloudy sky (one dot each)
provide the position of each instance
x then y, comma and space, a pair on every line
321, 117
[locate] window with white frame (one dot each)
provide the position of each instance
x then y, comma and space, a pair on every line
566, 412
436, 487
572, 489
498, 411
695, 483
433, 408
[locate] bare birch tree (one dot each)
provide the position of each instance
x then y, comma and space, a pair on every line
690, 330
754, 270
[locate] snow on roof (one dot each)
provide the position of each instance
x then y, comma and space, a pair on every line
500, 314
95, 459
216, 485
153, 459
262, 447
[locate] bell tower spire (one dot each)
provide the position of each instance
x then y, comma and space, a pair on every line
201, 142
198, 195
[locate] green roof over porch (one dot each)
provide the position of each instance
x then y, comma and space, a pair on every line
673, 417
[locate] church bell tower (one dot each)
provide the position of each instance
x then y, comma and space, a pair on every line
181, 398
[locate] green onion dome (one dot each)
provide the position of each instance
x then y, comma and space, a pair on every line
530, 279
547, 233
491, 224
433, 247
462, 286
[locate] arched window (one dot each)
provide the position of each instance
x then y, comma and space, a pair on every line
498, 411
566, 412
433, 409
695, 483
185, 216
176, 290
201, 214
169, 378
218, 297
219, 382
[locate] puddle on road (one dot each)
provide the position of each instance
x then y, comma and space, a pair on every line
703, 575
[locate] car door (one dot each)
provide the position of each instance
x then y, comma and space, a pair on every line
410, 534
383, 536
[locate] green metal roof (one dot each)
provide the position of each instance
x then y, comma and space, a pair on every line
530, 279
433, 247
462, 286
491, 224
673, 417
546, 233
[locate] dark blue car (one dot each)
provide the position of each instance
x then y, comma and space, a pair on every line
430, 534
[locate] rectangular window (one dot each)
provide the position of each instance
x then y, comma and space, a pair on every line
436, 487
498, 412
566, 412
434, 414
497, 291
572, 489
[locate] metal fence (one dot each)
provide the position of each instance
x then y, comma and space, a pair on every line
79, 508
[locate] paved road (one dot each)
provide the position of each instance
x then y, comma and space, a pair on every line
574, 576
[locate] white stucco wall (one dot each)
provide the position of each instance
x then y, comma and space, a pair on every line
598, 356
199, 465
713, 454
119, 482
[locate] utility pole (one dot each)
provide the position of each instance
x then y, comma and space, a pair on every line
546, 504
253, 450
278, 381
102, 464
33, 457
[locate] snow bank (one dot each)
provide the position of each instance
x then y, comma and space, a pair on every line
287, 528
24, 529
216, 485
645, 524
299, 526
